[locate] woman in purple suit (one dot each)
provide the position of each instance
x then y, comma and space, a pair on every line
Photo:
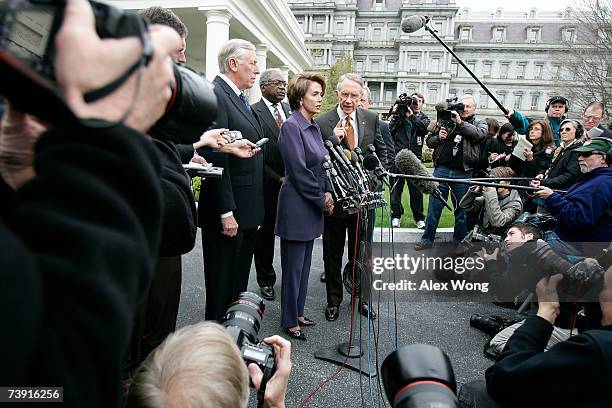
303, 199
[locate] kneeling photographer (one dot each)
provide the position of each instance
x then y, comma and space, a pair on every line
209, 364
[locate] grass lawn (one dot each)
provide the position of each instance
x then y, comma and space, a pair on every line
446, 220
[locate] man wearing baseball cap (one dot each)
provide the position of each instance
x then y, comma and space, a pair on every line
584, 213
556, 108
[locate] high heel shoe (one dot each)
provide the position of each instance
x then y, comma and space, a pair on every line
298, 335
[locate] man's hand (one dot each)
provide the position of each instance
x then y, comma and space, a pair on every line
489, 189
409, 112
543, 192
230, 226
100, 62
242, 148
493, 157
456, 118
548, 298
213, 138
199, 159
339, 131
510, 113
443, 134
488, 257
536, 181
18, 135
328, 207
276, 388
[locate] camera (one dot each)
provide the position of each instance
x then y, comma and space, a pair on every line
243, 321
444, 109
27, 53
419, 375
402, 104
490, 325
489, 241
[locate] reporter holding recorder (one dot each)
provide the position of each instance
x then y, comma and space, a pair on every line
303, 198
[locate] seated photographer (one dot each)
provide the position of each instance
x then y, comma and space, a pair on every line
78, 237
584, 213
573, 373
497, 207
201, 366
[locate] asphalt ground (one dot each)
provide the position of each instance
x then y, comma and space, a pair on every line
436, 318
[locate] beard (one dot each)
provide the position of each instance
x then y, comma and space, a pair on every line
584, 168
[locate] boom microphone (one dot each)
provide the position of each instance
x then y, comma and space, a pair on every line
414, 23
406, 162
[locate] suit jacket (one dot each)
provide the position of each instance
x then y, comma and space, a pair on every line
274, 168
302, 195
389, 144
241, 188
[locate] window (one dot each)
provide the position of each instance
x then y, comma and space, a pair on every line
538, 72
361, 33
375, 65
378, 4
503, 70
535, 101
389, 96
520, 72
319, 27
391, 66
501, 97
518, 101
569, 35
487, 69
533, 35
340, 27
432, 94
375, 94
413, 64
377, 34
392, 33
435, 65
471, 66
483, 101
454, 69
359, 66
498, 34
438, 27
465, 34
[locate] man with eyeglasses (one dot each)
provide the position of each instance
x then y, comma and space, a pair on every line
592, 116
272, 113
584, 215
353, 127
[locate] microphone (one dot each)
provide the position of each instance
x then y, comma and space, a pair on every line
332, 175
372, 163
407, 163
441, 106
355, 162
414, 23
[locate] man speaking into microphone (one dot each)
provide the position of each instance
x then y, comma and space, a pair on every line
353, 128
456, 151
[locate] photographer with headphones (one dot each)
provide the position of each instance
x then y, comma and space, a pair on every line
584, 213
556, 108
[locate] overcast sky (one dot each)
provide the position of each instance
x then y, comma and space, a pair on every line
513, 4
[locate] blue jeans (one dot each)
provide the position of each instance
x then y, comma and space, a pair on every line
435, 206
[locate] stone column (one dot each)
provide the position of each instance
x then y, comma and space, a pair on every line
217, 33
255, 91
382, 92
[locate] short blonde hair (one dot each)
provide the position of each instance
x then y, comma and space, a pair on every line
197, 366
298, 86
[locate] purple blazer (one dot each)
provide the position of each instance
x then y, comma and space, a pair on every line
299, 215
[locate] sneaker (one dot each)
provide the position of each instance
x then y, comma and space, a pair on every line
421, 224
395, 222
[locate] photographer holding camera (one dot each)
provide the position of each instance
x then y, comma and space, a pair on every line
78, 237
456, 153
408, 128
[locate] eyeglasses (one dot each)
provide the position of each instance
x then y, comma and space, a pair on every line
346, 95
589, 118
592, 152
275, 83
567, 129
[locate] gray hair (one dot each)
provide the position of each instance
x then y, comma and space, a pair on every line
368, 93
469, 96
267, 74
196, 366
233, 49
350, 76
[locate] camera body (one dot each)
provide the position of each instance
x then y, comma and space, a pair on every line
402, 104
444, 109
27, 53
489, 241
243, 321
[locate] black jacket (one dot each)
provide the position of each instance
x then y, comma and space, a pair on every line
274, 169
564, 169
78, 250
574, 373
409, 133
241, 188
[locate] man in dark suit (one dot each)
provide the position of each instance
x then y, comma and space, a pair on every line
232, 208
353, 127
271, 113
366, 102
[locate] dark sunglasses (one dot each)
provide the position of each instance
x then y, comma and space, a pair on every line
567, 129
589, 154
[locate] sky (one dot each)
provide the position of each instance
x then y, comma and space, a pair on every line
514, 5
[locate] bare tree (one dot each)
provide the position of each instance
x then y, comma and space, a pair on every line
586, 67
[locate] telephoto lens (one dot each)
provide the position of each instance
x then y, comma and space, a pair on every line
419, 376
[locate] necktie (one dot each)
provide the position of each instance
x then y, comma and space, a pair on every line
279, 118
244, 100
350, 133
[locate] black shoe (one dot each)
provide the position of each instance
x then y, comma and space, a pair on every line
306, 322
367, 311
331, 313
322, 278
298, 335
267, 292
419, 246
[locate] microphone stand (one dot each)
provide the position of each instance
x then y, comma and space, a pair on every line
433, 32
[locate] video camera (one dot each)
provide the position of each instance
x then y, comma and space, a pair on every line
419, 375
444, 109
402, 104
243, 321
27, 53
489, 241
